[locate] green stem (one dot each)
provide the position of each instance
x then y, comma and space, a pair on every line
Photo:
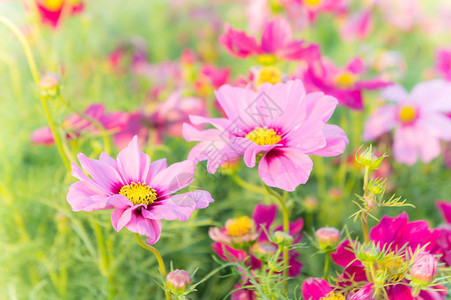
35, 74
364, 215
104, 261
326, 265
248, 186
157, 256
286, 227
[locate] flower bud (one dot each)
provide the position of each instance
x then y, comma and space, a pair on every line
50, 84
310, 204
264, 250
424, 268
377, 186
283, 239
368, 159
178, 281
327, 237
368, 254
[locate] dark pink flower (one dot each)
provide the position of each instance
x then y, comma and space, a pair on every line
346, 84
318, 289
276, 42
52, 11
140, 192
443, 243
443, 63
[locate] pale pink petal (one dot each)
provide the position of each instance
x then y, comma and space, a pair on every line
174, 178
437, 125
250, 155
405, 145
320, 106
307, 137
395, 93
155, 168
42, 136
433, 95
382, 120
132, 163
84, 196
119, 201
336, 141
120, 217
428, 145
285, 168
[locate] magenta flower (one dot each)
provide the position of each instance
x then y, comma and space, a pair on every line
418, 119
140, 192
443, 243
279, 123
276, 42
75, 125
357, 26
395, 234
443, 63
318, 289
51, 11
243, 237
346, 84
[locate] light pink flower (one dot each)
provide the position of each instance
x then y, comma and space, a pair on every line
276, 41
279, 123
140, 192
418, 119
356, 26
402, 14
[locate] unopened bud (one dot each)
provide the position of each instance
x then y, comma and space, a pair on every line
264, 250
178, 281
377, 186
283, 238
368, 254
310, 204
424, 268
370, 160
50, 84
327, 237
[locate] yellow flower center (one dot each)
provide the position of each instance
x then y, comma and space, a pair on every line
53, 5
333, 296
139, 193
407, 114
263, 136
313, 3
239, 226
268, 74
345, 79
267, 59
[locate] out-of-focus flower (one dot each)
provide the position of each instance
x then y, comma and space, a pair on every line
395, 235
419, 120
263, 217
178, 281
346, 84
75, 125
357, 26
211, 78
319, 289
50, 84
51, 11
314, 7
401, 14
140, 192
279, 124
239, 233
276, 42
443, 63
242, 293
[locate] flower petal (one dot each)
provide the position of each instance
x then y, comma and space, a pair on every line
173, 178
143, 226
132, 163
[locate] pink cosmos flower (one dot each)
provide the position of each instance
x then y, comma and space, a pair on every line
279, 123
443, 243
401, 14
443, 63
356, 26
140, 192
418, 119
346, 83
52, 11
315, 7
74, 125
395, 234
276, 42
244, 237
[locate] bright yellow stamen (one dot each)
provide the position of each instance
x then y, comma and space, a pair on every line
267, 59
312, 3
407, 114
263, 136
268, 74
53, 5
345, 79
139, 193
239, 226
333, 296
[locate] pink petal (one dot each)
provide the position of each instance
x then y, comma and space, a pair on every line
120, 217
264, 215
84, 196
445, 209
434, 95
336, 141
436, 125
405, 145
276, 35
238, 43
381, 121
285, 168
148, 227
320, 106
132, 163
395, 93
315, 288
155, 168
344, 255
250, 155
174, 178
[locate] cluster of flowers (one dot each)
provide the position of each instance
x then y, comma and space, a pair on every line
274, 119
